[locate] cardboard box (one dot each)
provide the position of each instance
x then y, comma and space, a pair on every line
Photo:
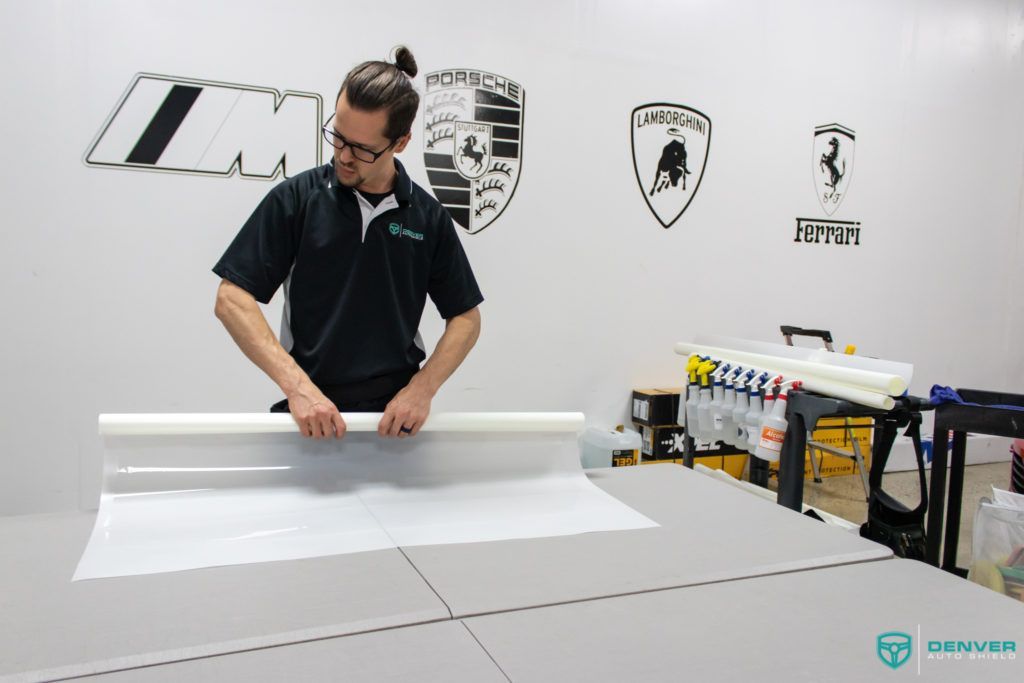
654, 407
677, 461
830, 431
732, 464
663, 442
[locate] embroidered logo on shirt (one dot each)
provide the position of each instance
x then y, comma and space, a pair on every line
398, 231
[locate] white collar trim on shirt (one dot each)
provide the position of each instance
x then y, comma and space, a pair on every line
369, 211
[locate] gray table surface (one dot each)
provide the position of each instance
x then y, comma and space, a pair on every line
53, 627
819, 625
710, 532
443, 651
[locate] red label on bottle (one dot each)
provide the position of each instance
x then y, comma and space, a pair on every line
771, 439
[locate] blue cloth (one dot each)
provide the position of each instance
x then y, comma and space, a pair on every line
940, 394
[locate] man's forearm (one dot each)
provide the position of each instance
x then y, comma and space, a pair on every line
244, 321
460, 334
313, 412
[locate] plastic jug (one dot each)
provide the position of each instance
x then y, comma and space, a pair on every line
602, 447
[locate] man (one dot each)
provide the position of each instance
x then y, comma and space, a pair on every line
358, 247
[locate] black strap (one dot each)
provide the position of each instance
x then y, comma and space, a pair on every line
914, 432
880, 456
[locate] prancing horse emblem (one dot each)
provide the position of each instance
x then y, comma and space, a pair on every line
828, 161
469, 150
833, 164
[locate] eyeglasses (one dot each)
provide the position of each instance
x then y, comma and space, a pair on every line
365, 155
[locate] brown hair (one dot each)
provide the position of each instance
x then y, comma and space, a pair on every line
377, 85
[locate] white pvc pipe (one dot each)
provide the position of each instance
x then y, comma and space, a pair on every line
884, 383
848, 393
826, 387
904, 370
146, 424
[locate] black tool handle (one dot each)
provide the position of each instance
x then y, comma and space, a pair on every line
790, 330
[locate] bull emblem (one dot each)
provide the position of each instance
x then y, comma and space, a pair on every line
673, 141
672, 164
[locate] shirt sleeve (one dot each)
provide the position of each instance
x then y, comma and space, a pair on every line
261, 255
453, 287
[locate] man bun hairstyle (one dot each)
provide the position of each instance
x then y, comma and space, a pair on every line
377, 85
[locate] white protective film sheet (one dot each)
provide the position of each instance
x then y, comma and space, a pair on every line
174, 499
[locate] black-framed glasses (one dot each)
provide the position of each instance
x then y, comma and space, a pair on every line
335, 139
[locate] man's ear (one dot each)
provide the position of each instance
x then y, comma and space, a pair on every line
402, 142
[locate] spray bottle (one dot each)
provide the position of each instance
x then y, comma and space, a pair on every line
728, 433
774, 425
688, 411
767, 405
717, 396
739, 434
753, 418
768, 402
754, 412
704, 426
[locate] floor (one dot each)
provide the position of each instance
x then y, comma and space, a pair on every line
844, 496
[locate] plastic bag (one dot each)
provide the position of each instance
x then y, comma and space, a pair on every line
998, 544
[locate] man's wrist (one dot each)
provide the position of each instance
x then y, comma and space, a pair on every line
423, 381
296, 386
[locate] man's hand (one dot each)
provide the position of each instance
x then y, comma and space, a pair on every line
407, 411
315, 414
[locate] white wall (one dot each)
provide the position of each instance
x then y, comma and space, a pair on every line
108, 294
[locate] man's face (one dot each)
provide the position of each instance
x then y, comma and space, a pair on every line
365, 129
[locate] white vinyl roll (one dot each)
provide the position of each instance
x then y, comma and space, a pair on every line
878, 382
189, 491
149, 424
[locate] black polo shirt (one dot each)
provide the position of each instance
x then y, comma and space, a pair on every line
353, 300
